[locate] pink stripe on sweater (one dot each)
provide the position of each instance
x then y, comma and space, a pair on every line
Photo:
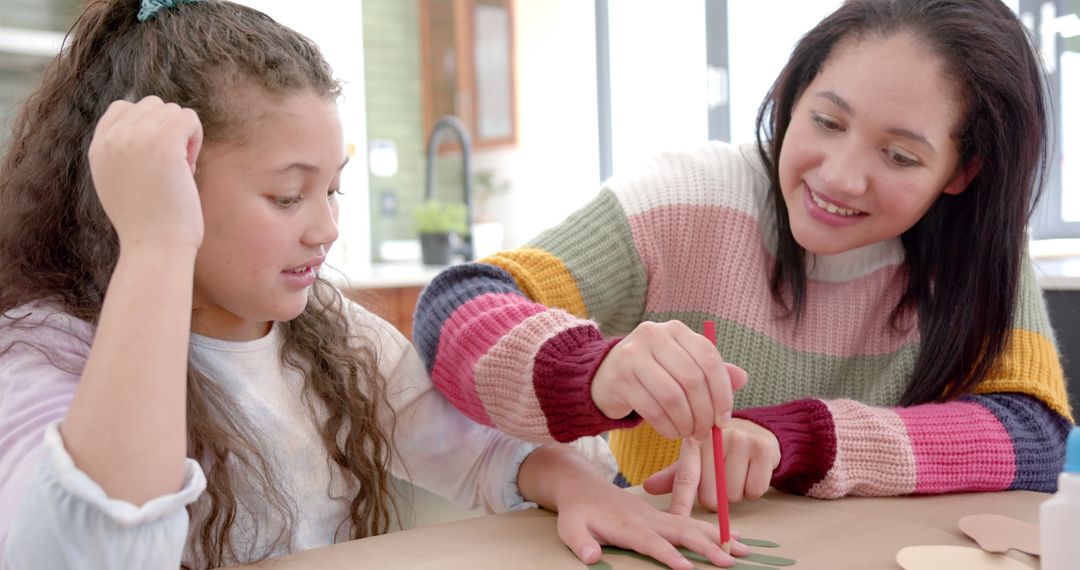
465, 337
682, 278
873, 454
504, 375
959, 446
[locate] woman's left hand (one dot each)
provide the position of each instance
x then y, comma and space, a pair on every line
751, 453
593, 511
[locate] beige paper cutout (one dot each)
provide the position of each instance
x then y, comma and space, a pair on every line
944, 557
999, 533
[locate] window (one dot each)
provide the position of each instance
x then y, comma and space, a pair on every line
1056, 29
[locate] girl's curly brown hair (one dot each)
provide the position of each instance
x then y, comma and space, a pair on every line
57, 245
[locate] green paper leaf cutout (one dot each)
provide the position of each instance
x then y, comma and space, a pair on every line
766, 559
738, 561
600, 565
759, 542
693, 555
739, 564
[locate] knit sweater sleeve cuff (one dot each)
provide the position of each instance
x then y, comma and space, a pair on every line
807, 437
562, 375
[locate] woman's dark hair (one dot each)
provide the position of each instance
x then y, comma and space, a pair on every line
964, 257
57, 245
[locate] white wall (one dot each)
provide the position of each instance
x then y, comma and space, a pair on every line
1070, 135
338, 29
554, 169
658, 101
658, 79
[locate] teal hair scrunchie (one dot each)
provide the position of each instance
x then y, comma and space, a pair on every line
150, 8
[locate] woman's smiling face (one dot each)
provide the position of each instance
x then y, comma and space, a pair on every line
870, 145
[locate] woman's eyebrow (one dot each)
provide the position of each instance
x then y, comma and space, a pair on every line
837, 100
897, 131
912, 136
306, 167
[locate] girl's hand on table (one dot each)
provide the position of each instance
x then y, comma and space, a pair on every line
593, 511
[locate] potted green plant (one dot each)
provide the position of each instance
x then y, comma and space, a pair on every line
440, 226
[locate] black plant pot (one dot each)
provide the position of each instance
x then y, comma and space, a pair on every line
437, 249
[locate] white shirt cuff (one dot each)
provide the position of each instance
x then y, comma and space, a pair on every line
124, 513
511, 494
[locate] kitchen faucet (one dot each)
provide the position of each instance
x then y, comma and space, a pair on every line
452, 123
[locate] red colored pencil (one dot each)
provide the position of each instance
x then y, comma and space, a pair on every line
722, 514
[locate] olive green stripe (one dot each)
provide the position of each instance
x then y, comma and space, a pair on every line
597, 247
779, 374
1031, 312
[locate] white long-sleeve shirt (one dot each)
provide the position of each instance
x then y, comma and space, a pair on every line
52, 515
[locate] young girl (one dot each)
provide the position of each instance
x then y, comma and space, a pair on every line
865, 265
165, 206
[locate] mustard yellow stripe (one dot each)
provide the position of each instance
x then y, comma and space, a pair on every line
641, 451
543, 277
1030, 365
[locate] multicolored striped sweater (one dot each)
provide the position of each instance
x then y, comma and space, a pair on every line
514, 340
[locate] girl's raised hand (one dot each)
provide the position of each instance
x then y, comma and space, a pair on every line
752, 453
142, 160
671, 376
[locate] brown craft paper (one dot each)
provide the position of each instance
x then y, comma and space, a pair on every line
855, 533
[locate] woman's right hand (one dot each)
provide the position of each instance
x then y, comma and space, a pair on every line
142, 159
671, 376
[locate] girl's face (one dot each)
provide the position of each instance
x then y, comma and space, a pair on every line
270, 214
870, 145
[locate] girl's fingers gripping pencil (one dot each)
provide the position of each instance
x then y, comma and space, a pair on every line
722, 515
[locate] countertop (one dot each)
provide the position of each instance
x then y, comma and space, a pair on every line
395, 274
1058, 274
1057, 263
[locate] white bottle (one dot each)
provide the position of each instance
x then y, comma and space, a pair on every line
1059, 516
